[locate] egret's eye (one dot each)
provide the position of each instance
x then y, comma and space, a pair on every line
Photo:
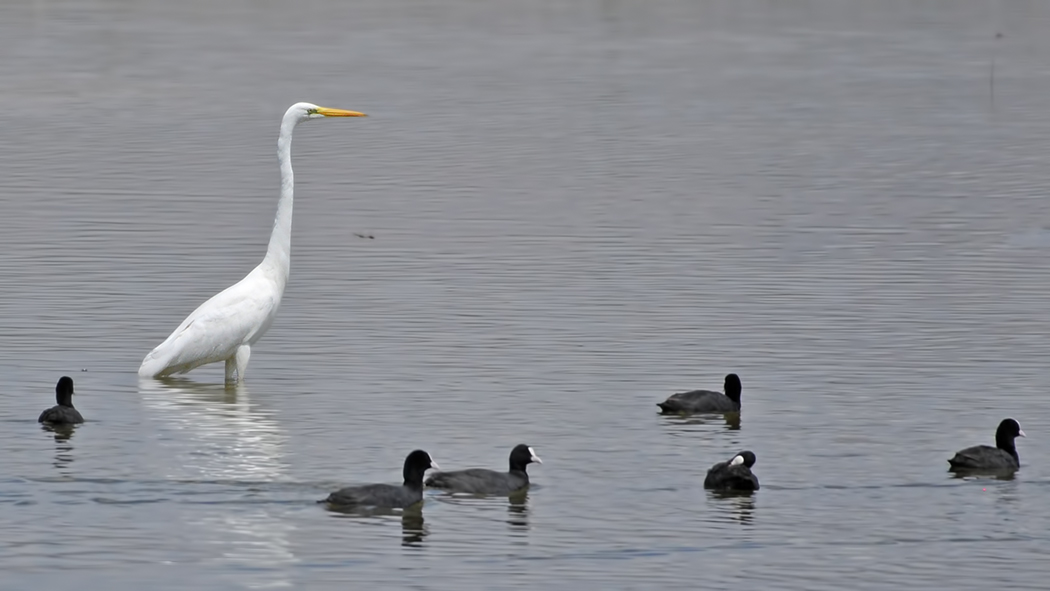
311, 111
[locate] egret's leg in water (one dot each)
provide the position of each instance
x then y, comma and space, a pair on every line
231, 368
243, 353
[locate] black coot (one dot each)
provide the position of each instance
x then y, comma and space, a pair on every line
489, 482
999, 458
63, 413
734, 474
705, 400
388, 496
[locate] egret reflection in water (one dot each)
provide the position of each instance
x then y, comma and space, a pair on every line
223, 435
216, 436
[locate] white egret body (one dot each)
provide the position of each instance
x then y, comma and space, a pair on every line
226, 326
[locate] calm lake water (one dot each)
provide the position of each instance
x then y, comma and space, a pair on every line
578, 208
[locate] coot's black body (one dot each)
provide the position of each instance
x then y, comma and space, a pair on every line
388, 496
63, 413
734, 474
481, 481
705, 400
1002, 457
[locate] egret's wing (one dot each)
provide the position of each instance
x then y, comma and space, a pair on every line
224, 324
216, 328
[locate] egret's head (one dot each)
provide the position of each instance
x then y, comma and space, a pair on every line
303, 111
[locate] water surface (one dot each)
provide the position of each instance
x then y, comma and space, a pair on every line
577, 209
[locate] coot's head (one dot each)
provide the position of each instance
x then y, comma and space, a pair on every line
416, 464
521, 456
64, 391
732, 387
746, 458
1008, 430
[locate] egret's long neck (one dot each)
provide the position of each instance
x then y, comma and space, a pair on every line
279, 252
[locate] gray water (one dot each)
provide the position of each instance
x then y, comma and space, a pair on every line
578, 208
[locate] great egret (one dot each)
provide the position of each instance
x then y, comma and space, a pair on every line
226, 326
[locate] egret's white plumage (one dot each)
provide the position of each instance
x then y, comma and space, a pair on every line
226, 326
